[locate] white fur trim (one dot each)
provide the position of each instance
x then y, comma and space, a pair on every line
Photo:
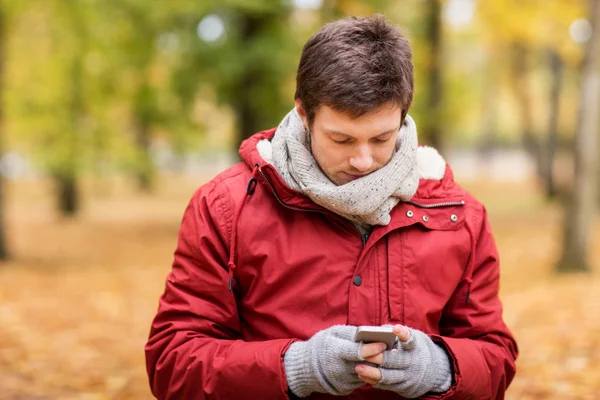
430, 163
265, 150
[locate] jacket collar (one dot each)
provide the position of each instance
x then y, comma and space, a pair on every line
438, 203
435, 186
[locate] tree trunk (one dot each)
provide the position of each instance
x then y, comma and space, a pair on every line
489, 114
66, 175
549, 151
145, 169
248, 123
144, 108
433, 128
3, 246
68, 195
519, 71
580, 210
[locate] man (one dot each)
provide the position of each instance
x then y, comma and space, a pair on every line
334, 220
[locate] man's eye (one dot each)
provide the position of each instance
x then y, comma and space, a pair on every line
341, 141
378, 140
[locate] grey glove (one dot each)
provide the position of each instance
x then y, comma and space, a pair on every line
418, 366
325, 363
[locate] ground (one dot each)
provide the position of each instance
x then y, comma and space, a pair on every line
77, 298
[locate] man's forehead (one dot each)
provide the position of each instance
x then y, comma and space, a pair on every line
377, 122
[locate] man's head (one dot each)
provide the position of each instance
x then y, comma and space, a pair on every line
354, 87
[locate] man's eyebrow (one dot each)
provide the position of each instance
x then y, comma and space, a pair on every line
396, 129
334, 132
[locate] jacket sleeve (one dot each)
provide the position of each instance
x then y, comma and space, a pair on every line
195, 350
482, 349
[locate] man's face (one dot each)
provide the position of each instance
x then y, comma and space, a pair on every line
347, 149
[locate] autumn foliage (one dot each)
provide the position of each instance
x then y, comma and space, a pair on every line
77, 300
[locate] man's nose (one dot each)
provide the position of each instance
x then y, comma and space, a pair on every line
363, 160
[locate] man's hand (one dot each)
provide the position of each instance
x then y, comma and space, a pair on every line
417, 366
326, 362
372, 352
372, 375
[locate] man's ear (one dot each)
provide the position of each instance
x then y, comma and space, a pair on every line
302, 113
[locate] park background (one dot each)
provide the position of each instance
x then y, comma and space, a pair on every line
112, 112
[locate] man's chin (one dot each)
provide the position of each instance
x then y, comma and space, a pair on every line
342, 179
338, 180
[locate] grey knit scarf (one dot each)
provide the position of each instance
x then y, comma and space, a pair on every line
364, 201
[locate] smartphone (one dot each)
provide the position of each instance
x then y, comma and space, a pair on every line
370, 334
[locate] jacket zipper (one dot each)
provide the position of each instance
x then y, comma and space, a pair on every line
365, 237
437, 205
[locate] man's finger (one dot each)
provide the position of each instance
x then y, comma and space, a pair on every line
377, 359
372, 349
368, 374
367, 380
402, 332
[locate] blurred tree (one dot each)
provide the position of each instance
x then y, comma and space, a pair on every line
3, 244
140, 51
250, 65
137, 52
45, 93
548, 152
521, 58
87, 86
528, 32
145, 76
580, 210
257, 55
489, 107
432, 128
255, 76
144, 104
66, 173
422, 23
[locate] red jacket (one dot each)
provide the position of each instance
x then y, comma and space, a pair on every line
258, 266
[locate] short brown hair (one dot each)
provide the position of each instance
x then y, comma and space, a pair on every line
355, 65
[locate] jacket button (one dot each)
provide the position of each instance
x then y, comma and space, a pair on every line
357, 280
425, 218
453, 218
409, 214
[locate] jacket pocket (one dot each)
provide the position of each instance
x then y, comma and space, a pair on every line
424, 268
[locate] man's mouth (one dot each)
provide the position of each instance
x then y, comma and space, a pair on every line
354, 177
